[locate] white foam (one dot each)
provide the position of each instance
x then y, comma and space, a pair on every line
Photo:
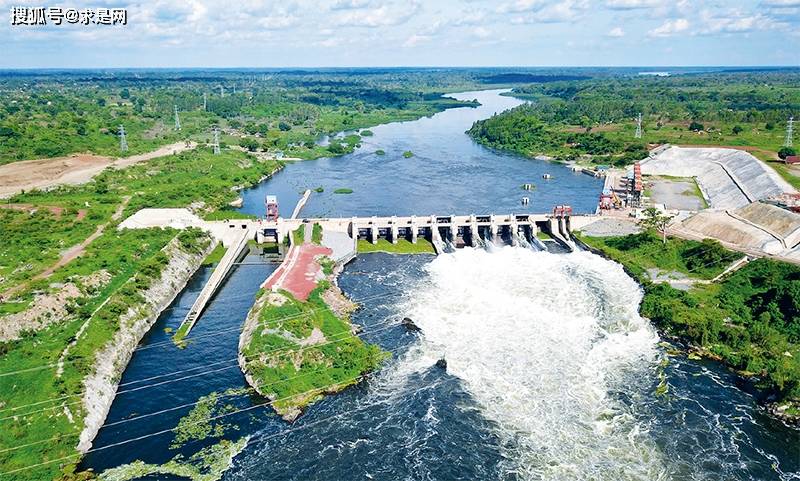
539, 341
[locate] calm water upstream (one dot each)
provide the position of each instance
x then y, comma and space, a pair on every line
551, 373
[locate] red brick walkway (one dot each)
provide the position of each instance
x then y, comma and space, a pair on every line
299, 270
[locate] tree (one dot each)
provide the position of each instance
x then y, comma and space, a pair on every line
249, 144
284, 126
786, 152
655, 220
737, 129
696, 126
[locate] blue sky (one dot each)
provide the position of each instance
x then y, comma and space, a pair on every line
307, 33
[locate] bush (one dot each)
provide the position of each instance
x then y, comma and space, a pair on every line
696, 126
786, 152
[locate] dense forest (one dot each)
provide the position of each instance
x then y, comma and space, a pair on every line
595, 118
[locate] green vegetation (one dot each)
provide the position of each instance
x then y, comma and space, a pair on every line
594, 119
380, 152
403, 246
209, 464
366, 133
203, 421
54, 114
215, 256
408, 154
750, 320
343, 191
301, 350
639, 252
299, 235
319, 189
95, 289
316, 234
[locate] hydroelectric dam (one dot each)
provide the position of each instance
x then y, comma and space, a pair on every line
341, 235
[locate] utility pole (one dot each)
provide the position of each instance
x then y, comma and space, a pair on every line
177, 119
123, 144
789, 132
205, 101
215, 143
638, 134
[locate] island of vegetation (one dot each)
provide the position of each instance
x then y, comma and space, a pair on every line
748, 319
293, 351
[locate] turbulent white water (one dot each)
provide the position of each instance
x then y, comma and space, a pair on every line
541, 341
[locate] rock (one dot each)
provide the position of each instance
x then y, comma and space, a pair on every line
237, 203
409, 325
442, 364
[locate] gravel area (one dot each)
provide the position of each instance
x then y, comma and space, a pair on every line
609, 227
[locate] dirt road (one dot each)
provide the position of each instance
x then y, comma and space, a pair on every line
75, 169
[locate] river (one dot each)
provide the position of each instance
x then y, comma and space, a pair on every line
551, 373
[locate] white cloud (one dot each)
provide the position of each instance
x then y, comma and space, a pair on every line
670, 28
350, 4
781, 3
616, 32
632, 4
383, 16
557, 12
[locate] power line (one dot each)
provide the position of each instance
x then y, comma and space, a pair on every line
147, 386
245, 392
213, 333
213, 418
638, 134
177, 119
123, 143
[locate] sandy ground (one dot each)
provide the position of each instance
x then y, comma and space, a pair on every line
75, 169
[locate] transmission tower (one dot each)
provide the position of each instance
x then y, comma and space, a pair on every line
177, 119
205, 101
789, 132
638, 134
123, 144
221, 91
234, 89
215, 143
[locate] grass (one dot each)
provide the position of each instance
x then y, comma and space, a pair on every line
403, 246
639, 252
316, 234
343, 191
215, 256
299, 235
287, 371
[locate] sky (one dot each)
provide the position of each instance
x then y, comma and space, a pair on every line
364, 33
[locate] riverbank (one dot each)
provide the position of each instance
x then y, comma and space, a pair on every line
744, 320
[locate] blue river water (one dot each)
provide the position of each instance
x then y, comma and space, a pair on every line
551, 372
448, 174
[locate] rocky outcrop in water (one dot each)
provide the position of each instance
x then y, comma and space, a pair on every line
408, 323
101, 386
